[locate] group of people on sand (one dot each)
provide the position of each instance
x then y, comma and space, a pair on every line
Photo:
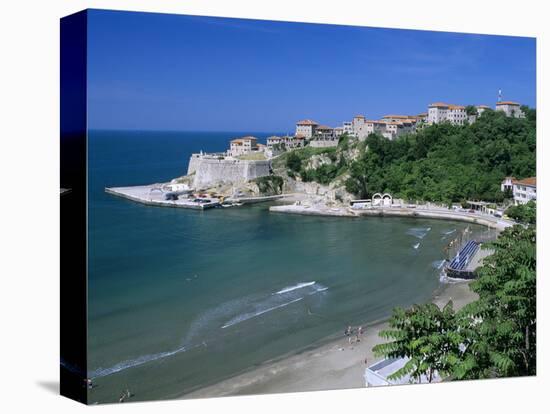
88, 383
353, 334
124, 396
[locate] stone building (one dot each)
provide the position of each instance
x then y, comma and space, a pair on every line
482, 108
348, 128
324, 137
441, 112
306, 128
324, 132
243, 145
510, 108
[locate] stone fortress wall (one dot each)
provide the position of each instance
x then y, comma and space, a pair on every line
211, 169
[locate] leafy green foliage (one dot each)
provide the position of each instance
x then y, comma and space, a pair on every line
424, 334
324, 174
500, 327
523, 213
294, 162
471, 110
447, 163
270, 184
494, 336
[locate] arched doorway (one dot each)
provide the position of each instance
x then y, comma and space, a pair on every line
376, 199
387, 199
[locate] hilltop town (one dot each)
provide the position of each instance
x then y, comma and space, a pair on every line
247, 159
333, 167
309, 132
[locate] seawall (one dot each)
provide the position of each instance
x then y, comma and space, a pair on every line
209, 170
474, 218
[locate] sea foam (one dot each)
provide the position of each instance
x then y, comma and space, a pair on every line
419, 232
247, 316
295, 287
130, 363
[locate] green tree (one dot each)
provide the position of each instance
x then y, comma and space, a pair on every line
294, 162
499, 329
427, 336
471, 110
523, 213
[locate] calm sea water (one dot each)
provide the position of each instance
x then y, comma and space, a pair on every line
179, 299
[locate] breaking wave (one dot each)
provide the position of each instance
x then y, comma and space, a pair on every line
247, 316
438, 264
419, 232
130, 363
289, 294
295, 287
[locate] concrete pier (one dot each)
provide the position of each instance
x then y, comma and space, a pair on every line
150, 195
420, 212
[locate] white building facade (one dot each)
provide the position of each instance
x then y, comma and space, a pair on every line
441, 112
242, 146
511, 109
306, 128
525, 190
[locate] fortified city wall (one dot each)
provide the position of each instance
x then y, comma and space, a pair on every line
210, 170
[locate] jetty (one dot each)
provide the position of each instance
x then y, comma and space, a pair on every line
156, 195
151, 195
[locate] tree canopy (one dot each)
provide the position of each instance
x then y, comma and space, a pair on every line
424, 334
523, 213
445, 162
494, 336
499, 329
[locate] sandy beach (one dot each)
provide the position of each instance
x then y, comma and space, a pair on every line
333, 365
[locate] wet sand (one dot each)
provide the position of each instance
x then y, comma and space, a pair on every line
334, 365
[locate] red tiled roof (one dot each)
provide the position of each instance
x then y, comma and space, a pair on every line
397, 116
531, 181
359, 116
444, 105
507, 103
242, 139
439, 105
306, 122
323, 127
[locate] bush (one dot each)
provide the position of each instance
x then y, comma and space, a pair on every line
523, 213
270, 184
294, 162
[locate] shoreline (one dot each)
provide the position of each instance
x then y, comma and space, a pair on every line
143, 194
333, 364
330, 363
421, 212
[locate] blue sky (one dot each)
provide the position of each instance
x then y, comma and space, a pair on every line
173, 72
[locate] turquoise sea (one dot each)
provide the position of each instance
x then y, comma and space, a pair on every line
180, 299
